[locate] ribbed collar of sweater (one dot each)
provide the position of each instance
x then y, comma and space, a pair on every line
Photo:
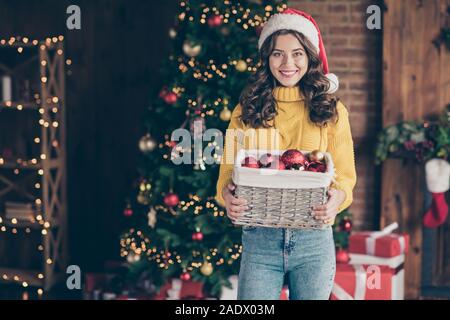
288, 94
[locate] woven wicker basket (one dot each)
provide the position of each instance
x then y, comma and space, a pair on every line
280, 198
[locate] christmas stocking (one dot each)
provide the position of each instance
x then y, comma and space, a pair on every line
437, 173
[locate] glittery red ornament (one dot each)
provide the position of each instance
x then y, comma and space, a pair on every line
277, 164
316, 166
293, 158
250, 162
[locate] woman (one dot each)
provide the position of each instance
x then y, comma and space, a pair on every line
292, 92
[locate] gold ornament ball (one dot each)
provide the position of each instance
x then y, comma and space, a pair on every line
147, 143
225, 114
241, 66
206, 269
316, 155
191, 50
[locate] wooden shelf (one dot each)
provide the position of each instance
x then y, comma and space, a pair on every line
20, 276
22, 166
54, 185
13, 105
22, 224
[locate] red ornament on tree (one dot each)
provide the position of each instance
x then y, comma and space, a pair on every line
128, 212
185, 276
342, 256
293, 158
171, 199
197, 236
346, 225
215, 20
170, 97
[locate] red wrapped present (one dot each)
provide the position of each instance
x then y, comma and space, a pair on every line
379, 243
178, 289
368, 282
284, 293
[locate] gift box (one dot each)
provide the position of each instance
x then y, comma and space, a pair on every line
369, 281
379, 243
178, 289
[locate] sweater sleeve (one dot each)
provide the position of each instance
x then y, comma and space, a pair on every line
340, 146
229, 152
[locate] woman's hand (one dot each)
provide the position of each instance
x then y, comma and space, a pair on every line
328, 211
235, 206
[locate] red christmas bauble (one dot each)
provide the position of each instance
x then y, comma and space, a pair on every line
277, 164
171, 199
128, 212
185, 276
293, 158
170, 97
316, 166
197, 236
265, 160
346, 225
342, 256
250, 162
215, 20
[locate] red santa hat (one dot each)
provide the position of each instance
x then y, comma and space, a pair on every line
292, 19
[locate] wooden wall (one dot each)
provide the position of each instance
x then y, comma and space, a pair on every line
416, 84
116, 56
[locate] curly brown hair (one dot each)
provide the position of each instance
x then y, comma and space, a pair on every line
257, 100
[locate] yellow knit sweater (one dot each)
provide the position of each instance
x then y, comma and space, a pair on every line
294, 130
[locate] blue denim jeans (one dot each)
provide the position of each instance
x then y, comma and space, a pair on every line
305, 256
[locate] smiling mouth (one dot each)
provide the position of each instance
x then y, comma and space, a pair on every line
288, 73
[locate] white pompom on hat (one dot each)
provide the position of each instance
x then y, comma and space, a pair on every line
292, 19
437, 175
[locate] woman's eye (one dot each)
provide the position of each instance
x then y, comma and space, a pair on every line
297, 54
276, 54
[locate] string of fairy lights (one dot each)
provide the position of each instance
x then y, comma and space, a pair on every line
135, 245
232, 13
49, 114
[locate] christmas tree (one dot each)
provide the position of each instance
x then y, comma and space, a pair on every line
176, 227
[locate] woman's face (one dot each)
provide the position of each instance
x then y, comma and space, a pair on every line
288, 62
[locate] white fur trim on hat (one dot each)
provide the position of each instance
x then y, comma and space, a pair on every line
294, 22
437, 175
334, 82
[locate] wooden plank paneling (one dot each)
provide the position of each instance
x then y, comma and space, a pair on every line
413, 81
